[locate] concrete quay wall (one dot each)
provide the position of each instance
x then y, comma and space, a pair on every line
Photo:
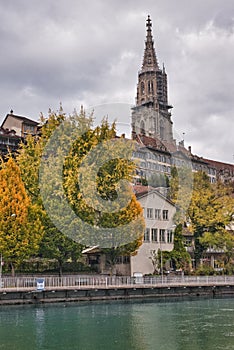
115, 293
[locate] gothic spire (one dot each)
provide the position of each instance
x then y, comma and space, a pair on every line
151, 116
150, 60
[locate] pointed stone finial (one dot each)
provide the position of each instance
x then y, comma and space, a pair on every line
149, 29
150, 59
148, 23
82, 110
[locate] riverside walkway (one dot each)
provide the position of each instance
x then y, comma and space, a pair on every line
100, 282
51, 289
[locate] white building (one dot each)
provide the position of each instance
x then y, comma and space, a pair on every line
158, 213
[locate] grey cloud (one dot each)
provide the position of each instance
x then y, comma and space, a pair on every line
89, 52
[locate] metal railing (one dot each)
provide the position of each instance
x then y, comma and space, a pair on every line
78, 282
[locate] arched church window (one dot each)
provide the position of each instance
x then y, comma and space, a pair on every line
149, 86
142, 128
142, 88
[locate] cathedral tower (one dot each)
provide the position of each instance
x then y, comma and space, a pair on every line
151, 116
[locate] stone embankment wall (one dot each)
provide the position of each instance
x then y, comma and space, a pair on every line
118, 293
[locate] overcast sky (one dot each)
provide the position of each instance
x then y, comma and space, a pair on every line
89, 52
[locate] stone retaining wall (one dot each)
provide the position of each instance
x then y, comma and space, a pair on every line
128, 293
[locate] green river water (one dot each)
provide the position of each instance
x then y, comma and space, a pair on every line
202, 324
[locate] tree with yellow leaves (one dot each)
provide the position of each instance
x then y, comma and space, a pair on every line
54, 244
93, 161
20, 229
71, 151
210, 211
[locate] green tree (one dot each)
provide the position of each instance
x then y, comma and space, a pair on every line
223, 242
205, 208
158, 180
58, 246
210, 211
155, 260
54, 244
30, 153
107, 184
180, 258
181, 187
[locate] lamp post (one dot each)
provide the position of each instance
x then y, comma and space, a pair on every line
161, 262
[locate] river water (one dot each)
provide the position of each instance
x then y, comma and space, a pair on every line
176, 325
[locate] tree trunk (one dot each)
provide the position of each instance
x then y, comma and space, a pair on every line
60, 269
12, 270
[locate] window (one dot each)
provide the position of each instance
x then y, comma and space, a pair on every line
149, 87
126, 259
169, 236
29, 128
162, 235
123, 260
154, 235
147, 235
165, 214
157, 214
149, 213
